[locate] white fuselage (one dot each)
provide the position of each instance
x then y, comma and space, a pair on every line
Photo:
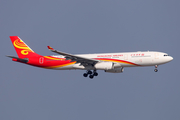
126, 59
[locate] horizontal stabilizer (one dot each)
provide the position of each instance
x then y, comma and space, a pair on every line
25, 60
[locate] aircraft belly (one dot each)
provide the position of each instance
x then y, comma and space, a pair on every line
69, 67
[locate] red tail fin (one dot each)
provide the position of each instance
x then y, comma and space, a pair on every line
23, 50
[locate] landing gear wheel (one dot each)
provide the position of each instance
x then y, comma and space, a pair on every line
85, 74
155, 70
89, 72
91, 76
95, 74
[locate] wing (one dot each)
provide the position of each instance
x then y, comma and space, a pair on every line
82, 60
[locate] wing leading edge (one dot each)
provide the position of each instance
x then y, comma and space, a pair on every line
82, 60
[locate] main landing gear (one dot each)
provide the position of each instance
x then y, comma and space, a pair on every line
155, 70
91, 74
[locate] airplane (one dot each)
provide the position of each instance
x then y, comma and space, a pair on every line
109, 62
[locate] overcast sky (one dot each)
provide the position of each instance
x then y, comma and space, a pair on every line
90, 26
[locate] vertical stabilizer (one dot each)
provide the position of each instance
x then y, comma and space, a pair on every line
22, 50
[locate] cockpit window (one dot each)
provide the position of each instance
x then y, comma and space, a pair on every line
166, 55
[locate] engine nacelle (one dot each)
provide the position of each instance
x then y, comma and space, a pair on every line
115, 70
104, 66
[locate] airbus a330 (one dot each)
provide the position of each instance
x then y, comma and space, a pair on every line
109, 62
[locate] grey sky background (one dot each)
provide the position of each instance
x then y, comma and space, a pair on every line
90, 26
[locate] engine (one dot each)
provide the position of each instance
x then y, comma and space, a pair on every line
104, 66
109, 67
115, 70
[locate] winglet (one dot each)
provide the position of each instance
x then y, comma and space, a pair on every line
50, 48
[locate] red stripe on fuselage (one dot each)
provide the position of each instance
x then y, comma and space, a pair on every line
50, 62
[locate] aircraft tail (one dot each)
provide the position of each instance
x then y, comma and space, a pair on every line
22, 50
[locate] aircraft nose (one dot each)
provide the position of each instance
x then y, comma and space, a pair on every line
171, 58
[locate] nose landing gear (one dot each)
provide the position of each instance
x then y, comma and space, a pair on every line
155, 70
91, 74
